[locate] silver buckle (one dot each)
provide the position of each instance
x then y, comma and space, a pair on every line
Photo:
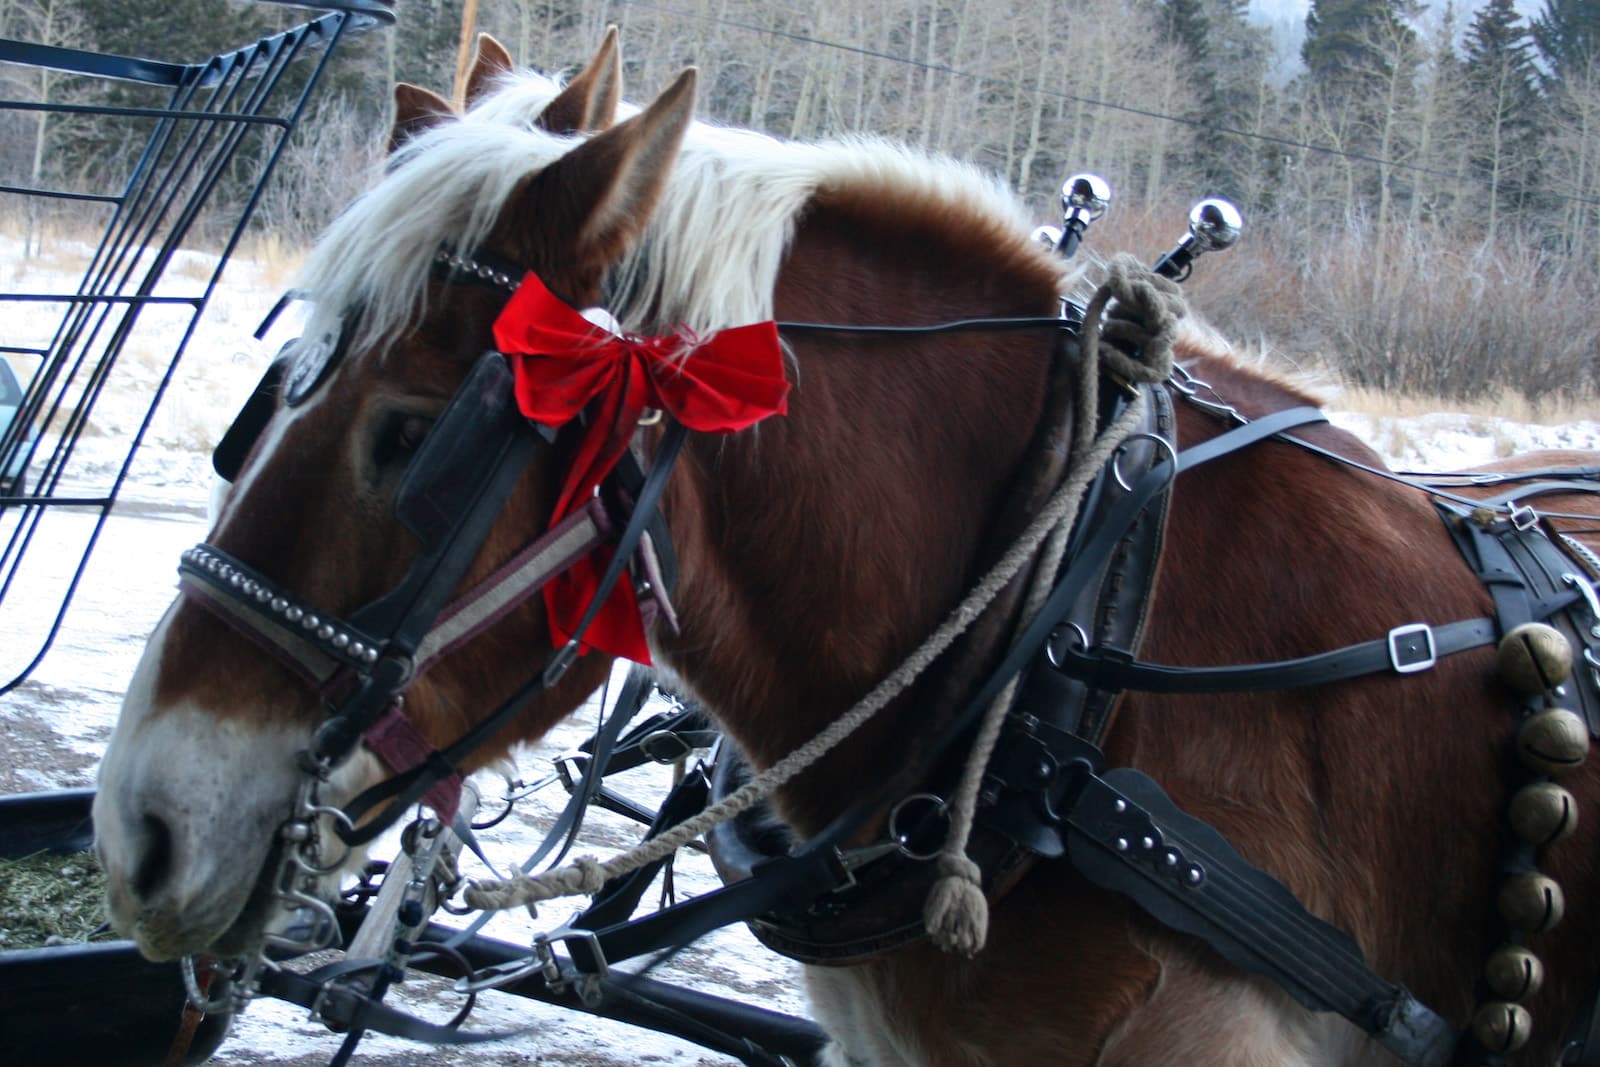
1403, 659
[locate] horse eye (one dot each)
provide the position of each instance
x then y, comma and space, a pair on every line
402, 435
413, 428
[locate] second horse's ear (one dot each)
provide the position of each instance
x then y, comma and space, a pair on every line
589, 101
416, 109
489, 60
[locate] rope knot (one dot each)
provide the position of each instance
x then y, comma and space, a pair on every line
591, 875
1141, 313
584, 876
956, 913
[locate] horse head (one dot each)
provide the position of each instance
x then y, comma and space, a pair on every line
335, 511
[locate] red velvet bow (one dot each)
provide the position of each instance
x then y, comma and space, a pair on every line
562, 362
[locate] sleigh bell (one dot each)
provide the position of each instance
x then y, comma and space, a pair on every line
1553, 742
1501, 1027
1543, 814
1513, 973
1534, 657
1532, 902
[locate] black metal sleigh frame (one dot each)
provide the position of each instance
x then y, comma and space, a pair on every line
215, 108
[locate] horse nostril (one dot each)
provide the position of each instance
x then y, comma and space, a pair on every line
156, 863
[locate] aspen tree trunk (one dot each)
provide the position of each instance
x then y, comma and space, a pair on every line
930, 86
469, 24
1035, 114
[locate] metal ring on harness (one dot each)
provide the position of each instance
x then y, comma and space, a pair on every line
299, 855
1116, 468
904, 838
1050, 645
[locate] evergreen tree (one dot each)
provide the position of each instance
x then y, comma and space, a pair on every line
1500, 80
1568, 37
1239, 55
1225, 62
1344, 44
1184, 22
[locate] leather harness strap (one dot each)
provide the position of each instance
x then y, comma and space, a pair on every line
1405, 650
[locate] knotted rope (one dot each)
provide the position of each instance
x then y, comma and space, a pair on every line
1144, 318
1147, 307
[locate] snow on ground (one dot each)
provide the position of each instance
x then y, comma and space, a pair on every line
54, 726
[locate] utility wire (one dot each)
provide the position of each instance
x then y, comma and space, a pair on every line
956, 72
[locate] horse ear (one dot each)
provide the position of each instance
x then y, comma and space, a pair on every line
416, 109
589, 101
614, 180
489, 60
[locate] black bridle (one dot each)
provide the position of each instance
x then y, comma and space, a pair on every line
448, 499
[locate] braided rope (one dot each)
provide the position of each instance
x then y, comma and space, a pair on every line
1128, 283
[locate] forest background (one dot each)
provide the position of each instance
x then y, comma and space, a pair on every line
1421, 182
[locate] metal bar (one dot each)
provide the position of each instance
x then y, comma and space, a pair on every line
58, 194
146, 112
644, 1002
78, 61
100, 298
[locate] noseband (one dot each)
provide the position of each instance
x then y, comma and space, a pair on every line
449, 498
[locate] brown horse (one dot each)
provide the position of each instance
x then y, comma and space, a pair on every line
817, 551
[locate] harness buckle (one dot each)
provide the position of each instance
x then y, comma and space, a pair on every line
1412, 648
582, 980
665, 746
1523, 517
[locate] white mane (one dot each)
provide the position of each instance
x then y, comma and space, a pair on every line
712, 250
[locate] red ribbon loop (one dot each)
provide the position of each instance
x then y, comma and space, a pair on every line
562, 363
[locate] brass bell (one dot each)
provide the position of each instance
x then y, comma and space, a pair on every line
1513, 972
1553, 741
1535, 657
1501, 1027
1543, 813
1532, 902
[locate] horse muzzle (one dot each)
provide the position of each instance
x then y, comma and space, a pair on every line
187, 819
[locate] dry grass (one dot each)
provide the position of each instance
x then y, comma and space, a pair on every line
50, 898
1544, 411
277, 260
1419, 313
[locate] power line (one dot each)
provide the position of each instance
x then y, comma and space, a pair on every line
956, 72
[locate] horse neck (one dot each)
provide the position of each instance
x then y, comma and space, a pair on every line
822, 548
